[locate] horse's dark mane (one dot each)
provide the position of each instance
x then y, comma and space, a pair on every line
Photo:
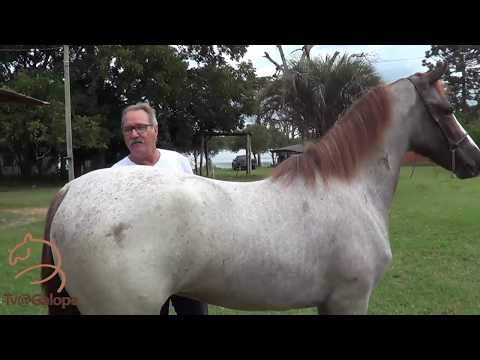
346, 144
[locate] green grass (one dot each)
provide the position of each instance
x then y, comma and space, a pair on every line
435, 236
435, 239
12, 198
13, 227
230, 175
9, 237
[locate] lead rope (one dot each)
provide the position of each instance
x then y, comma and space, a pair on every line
456, 145
414, 165
413, 169
453, 162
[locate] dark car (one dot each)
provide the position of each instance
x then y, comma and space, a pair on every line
240, 163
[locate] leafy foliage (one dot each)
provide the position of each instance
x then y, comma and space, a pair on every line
463, 74
215, 94
311, 95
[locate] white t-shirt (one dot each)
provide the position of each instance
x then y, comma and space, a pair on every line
168, 160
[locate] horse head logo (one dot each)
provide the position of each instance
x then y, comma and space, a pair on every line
24, 249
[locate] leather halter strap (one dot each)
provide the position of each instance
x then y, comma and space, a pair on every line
419, 84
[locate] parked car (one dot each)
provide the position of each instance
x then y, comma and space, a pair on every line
240, 163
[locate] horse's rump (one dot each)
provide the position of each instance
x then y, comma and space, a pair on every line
50, 287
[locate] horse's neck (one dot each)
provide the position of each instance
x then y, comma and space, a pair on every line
382, 176
383, 169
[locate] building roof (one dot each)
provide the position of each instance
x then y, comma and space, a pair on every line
298, 148
8, 96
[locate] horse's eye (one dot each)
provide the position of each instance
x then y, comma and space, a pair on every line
450, 109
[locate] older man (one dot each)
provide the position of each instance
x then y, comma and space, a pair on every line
140, 133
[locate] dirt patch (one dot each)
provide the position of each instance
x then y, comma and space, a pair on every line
21, 216
41, 212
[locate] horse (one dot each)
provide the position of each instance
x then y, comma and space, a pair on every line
314, 234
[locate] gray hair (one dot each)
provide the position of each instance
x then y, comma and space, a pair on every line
145, 107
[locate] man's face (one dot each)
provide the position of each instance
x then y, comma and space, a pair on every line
142, 139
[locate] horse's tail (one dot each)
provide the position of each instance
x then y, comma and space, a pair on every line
50, 287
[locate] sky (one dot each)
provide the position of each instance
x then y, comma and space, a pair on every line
392, 62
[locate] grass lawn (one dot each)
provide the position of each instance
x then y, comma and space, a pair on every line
434, 236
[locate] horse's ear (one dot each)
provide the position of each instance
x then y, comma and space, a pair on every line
438, 72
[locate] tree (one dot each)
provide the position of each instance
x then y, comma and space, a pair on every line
38, 71
278, 138
42, 58
220, 97
310, 95
215, 95
152, 73
212, 54
36, 136
260, 141
210, 96
462, 76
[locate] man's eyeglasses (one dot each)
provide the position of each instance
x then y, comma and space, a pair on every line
140, 129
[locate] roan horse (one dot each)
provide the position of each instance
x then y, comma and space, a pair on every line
314, 234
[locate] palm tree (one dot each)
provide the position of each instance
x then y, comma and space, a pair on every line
310, 95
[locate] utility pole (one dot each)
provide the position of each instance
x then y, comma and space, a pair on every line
68, 114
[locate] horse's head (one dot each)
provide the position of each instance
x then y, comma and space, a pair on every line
438, 135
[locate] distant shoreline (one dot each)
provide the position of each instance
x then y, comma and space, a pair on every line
228, 165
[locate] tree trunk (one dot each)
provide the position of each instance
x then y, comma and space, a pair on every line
25, 168
39, 166
195, 157
201, 155
63, 167
284, 61
78, 161
98, 161
207, 159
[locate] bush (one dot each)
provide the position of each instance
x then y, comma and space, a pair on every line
474, 131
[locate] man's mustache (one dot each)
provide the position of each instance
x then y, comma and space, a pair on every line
138, 141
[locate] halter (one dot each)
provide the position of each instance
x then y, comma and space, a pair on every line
420, 85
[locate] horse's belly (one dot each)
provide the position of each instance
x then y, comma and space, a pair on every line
256, 288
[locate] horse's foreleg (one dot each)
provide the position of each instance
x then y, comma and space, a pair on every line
322, 309
356, 307
350, 299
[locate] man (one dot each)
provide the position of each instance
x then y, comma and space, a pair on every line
140, 132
